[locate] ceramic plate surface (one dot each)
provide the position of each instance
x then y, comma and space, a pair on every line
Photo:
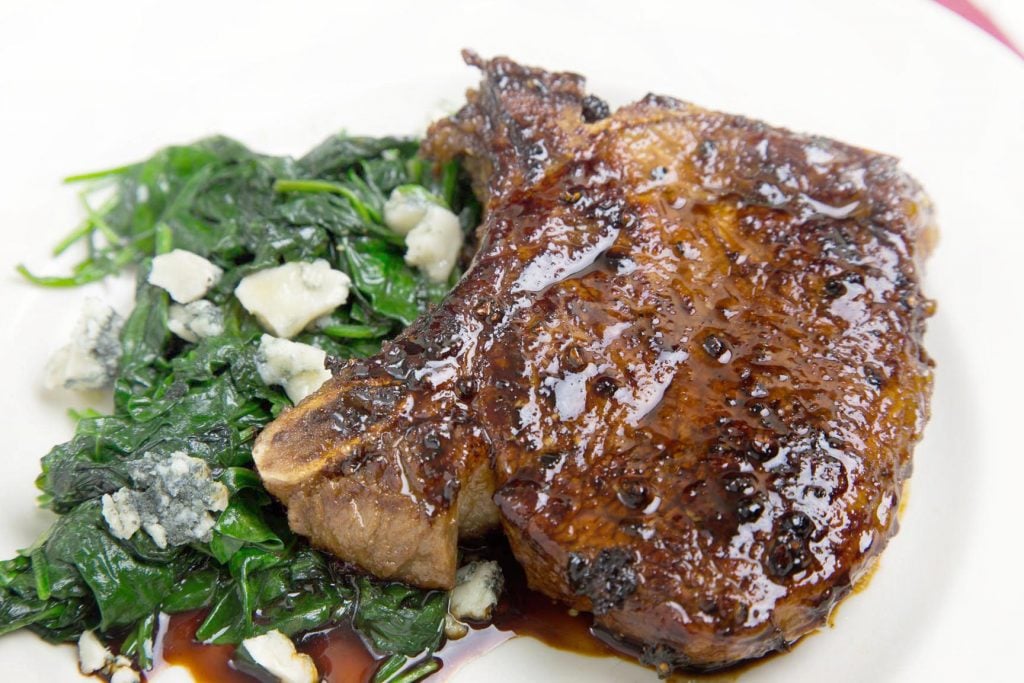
91, 85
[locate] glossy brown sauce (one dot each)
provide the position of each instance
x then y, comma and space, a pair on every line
339, 653
176, 646
522, 612
341, 656
862, 582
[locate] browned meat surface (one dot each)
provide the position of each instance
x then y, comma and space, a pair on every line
685, 365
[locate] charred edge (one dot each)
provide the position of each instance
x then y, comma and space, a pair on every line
595, 109
348, 465
334, 365
663, 657
606, 580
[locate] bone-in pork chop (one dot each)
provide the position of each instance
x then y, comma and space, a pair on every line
683, 373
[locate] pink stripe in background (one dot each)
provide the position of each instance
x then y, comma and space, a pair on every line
971, 13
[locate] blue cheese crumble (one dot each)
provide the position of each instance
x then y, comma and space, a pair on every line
195, 321
90, 360
171, 499
95, 657
187, 277
275, 653
478, 586
433, 236
407, 206
286, 298
297, 367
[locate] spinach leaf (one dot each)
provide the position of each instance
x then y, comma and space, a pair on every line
400, 619
394, 289
339, 153
293, 591
139, 643
193, 591
125, 587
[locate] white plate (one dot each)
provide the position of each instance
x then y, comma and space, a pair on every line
83, 87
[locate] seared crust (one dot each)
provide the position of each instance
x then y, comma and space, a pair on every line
688, 351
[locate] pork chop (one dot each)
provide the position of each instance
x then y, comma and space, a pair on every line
684, 374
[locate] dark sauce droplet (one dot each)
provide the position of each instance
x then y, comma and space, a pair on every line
465, 387
780, 560
789, 552
605, 386
431, 441
798, 524
595, 109
834, 288
550, 460
714, 346
874, 376
632, 493
740, 484
573, 359
333, 364
750, 509
708, 604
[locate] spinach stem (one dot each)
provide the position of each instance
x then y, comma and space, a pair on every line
41, 575
418, 672
391, 667
350, 331
96, 219
164, 238
86, 227
96, 175
57, 280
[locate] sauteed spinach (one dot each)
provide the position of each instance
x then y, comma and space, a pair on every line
244, 212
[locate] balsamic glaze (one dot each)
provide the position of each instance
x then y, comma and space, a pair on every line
341, 655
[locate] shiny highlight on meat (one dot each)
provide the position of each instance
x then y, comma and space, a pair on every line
684, 374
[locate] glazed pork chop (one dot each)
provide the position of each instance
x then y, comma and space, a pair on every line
684, 374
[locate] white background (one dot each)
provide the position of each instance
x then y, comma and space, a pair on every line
89, 85
1008, 15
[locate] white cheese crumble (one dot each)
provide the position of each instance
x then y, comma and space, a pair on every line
187, 277
93, 655
195, 321
434, 244
406, 207
433, 236
171, 499
89, 361
287, 298
124, 674
121, 514
453, 628
477, 588
299, 368
275, 653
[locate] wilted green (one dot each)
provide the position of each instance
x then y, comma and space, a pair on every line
245, 212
